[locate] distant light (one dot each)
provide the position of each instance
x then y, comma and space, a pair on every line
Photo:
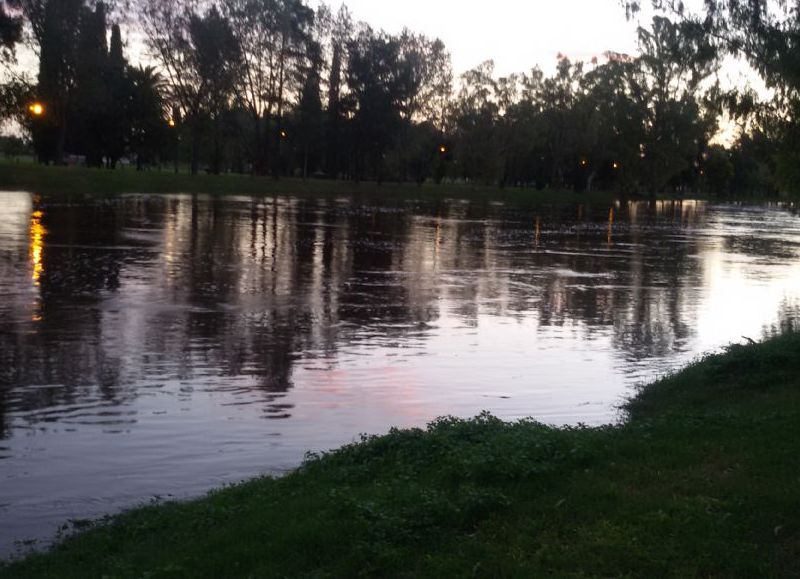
443, 149
616, 165
283, 134
36, 109
584, 162
172, 123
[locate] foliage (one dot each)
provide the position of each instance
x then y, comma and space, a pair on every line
10, 27
766, 34
274, 86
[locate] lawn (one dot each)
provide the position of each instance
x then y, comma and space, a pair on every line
26, 176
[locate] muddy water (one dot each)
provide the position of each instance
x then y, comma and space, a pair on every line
161, 346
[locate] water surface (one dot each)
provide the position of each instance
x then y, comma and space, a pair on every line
159, 346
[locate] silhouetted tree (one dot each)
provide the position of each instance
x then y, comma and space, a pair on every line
56, 34
148, 128
10, 27
92, 99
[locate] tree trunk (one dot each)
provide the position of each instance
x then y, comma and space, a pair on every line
195, 164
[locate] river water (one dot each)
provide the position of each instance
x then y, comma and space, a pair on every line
156, 347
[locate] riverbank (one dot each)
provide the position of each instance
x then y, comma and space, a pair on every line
77, 180
26, 176
700, 481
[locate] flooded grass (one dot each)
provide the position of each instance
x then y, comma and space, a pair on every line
701, 481
75, 180
25, 175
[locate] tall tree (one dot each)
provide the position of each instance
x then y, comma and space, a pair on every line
310, 119
216, 58
340, 37
92, 101
475, 114
190, 55
146, 114
56, 29
374, 77
273, 38
676, 59
119, 88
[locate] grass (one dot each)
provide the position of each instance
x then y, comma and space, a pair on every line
702, 480
24, 175
74, 180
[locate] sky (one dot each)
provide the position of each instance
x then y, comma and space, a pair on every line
516, 34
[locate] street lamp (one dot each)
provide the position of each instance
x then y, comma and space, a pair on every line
443, 149
172, 123
36, 109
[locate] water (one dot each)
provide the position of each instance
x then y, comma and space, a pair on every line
157, 347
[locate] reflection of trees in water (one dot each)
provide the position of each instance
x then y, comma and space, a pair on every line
788, 319
57, 342
191, 288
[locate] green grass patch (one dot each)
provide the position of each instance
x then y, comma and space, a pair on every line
77, 180
23, 175
702, 480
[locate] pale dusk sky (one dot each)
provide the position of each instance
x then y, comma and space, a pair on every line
516, 34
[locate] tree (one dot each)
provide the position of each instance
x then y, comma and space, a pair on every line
340, 37
374, 77
146, 115
192, 50
676, 59
92, 100
273, 37
119, 88
56, 30
10, 27
766, 34
216, 59
15, 97
310, 119
616, 126
474, 123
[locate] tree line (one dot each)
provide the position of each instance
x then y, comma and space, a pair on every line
274, 87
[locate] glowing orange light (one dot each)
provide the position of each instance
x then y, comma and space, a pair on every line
37, 235
443, 149
584, 162
172, 123
616, 165
36, 109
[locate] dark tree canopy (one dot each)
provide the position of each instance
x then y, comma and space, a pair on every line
276, 87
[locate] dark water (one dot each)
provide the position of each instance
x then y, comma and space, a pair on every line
161, 346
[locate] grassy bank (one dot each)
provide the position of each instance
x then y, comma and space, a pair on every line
703, 480
75, 180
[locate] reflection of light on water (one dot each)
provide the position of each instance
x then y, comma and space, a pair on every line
37, 233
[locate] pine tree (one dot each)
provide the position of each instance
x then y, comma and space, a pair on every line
57, 36
119, 95
90, 130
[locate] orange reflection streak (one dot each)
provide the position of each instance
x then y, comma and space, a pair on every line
538, 230
611, 227
37, 235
